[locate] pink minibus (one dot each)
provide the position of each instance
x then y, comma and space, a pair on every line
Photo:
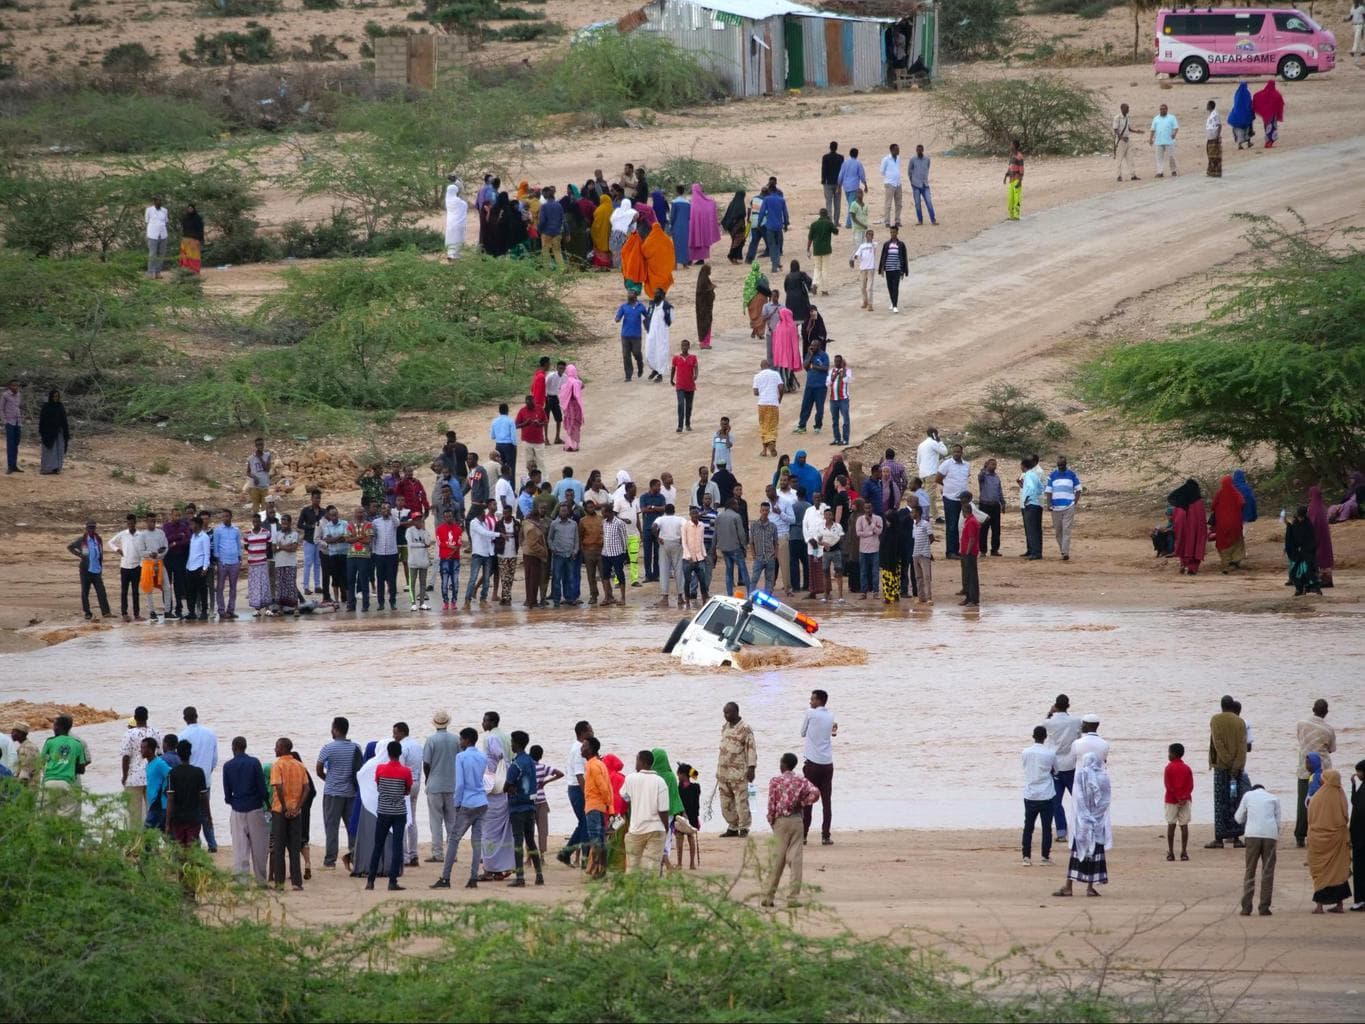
1195, 43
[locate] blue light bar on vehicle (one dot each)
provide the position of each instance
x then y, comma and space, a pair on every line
765, 600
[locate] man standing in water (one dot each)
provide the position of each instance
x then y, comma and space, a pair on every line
1314, 736
734, 771
819, 729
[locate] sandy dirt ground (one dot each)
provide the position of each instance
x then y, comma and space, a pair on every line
967, 894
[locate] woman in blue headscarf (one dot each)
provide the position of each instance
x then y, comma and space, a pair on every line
1240, 120
1314, 762
659, 204
1239, 480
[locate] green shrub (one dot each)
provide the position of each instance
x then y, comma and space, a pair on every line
254, 46
341, 236
976, 29
684, 169
1279, 362
526, 31
1081, 8
128, 59
609, 72
238, 8
103, 122
632, 948
321, 48
1048, 114
321, 5
1010, 424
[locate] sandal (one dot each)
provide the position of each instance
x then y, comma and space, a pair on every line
1184, 856
1091, 892
1170, 856
1061, 892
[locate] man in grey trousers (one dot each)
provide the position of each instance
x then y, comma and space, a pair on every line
438, 765
337, 764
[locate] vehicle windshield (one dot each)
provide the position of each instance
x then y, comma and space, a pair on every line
763, 634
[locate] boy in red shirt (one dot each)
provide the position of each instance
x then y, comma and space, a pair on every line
1179, 792
967, 552
448, 536
531, 422
683, 376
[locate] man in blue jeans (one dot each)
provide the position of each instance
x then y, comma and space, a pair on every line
852, 178
575, 768
1062, 730
631, 316
817, 380
919, 185
652, 504
731, 541
562, 538
482, 560
839, 376
772, 221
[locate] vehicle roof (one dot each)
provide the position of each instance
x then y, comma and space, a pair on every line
1229, 10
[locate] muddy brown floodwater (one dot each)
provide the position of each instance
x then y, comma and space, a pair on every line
931, 718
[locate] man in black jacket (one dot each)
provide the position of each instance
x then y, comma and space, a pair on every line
892, 265
830, 165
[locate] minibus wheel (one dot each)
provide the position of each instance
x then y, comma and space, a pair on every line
1194, 71
1293, 69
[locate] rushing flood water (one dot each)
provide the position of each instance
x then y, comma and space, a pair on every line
930, 725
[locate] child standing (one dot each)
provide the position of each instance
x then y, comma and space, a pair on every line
419, 561
690, 794
545, 774
1179, 793
448, 536
722, 443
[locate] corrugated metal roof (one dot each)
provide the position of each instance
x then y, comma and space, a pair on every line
757, 10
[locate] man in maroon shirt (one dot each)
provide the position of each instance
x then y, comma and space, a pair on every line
177, 533
412, 492
531, 423
683, 376
968, 551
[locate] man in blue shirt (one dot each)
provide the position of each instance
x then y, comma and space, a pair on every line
157, 770
566, 484
244, 789
919, 185
550, 225
1031, 489
503, 433
1063, 490
852, 178
772, 221
226, 542
631, 316
521, 805
817, 379
651, 504
471, 804
806, 476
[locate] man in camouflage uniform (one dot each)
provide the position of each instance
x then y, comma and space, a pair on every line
735, 770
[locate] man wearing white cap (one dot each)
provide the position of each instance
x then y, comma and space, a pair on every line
1089, 742
438, 764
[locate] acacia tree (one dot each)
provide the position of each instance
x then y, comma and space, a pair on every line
1280, 361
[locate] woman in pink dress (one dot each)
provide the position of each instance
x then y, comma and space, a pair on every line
703, 229
1191, 526
787, 348
571, 402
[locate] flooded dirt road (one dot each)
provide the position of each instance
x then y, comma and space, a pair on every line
931, 722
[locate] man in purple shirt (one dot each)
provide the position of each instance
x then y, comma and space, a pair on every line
177, 533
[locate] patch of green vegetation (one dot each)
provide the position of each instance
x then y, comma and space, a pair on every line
609, 72
402, 332
1279, 361
159, 467
96, 121
341, 236
254, 46
633, 948
715, 178
1081, 8
238, 8
526, 31
130, 59
1011, 425
976, 29
1048, 114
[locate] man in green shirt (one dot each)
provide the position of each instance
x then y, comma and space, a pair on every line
819, 244
63, 759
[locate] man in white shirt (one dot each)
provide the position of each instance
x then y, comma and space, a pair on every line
954, 477
668, 530
155, 217
129, 547
152, 579
1213, 141
1062, 730
1357, 20
646, 796
1040, 765
1259, 811
891, 185
864, 260
818, 729
204, 756
931, 450
1123, 131
1089, 741
768, 388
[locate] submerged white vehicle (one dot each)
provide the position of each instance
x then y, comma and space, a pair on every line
726, 625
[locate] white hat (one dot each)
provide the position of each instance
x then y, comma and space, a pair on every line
441, 718
1091, 719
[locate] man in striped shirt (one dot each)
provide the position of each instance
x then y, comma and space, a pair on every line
839, 376
1014, 180
892, 266
394, 781
1063, 488
615, 540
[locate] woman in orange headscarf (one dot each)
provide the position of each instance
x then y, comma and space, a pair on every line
633, 267
1227, 525
659, 261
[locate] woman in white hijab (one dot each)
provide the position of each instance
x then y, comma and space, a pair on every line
1091, 830
621, 222
457, 212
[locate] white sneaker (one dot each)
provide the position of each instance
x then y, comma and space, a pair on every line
1046, 862
412, 608
426, 606
894, 309
1028, 862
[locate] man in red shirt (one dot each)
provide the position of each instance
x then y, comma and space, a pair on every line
531, 422
968, 551
394, 781
1179, 793
448, 535
538, 383
683, 377
412, 492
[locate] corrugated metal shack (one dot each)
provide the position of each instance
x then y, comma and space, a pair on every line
760, 47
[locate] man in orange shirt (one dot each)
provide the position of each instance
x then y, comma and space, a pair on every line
597, 803
289, 786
